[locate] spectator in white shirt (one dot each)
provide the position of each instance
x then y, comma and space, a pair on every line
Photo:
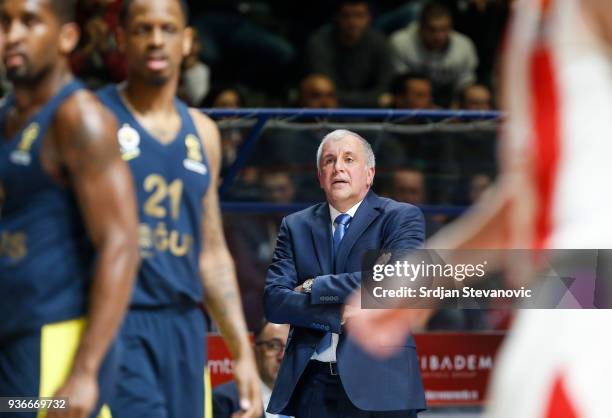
432, 47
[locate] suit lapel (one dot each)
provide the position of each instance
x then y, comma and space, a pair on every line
367, 212
321, 238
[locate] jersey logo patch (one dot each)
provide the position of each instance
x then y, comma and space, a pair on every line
194, 159
21, 156
129, 142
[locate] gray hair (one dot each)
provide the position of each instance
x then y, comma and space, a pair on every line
339, 134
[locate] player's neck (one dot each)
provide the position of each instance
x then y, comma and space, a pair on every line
146, 98
34, 94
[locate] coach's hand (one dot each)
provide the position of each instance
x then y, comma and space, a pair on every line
248, 382
81, 389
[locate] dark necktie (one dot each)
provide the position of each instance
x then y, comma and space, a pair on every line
342, 222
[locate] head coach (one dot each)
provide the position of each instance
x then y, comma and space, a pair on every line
316, 266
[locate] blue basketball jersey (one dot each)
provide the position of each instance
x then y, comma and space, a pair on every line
46, 258
171, 181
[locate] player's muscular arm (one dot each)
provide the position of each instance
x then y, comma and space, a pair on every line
218, 275
83, 136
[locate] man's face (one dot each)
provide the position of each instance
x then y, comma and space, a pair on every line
353, 20
477, 98
31, 34
319, 93
435, 32
343, 172
409, 187
417, 95
269, 351
278, 188
155, 40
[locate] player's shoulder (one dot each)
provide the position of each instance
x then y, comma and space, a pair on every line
207, 132
107, 94
84, 117
201, 120
83, 106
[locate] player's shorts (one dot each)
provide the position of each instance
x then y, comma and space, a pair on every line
36, 364
162, 370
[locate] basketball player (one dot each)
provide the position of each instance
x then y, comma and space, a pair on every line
68, 221
174, 154
553, 193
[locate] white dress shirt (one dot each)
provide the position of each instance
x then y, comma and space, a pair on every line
266, 392
329, 355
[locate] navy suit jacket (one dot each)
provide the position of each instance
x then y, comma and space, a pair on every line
226, 400
304, 250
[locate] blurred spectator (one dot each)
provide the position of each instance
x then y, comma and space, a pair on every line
474, 151
269, 349
484, 22
259, 233
231, 138
352, 54
245, 187
195, 76
408, 186
226, 97
317, 91
295, 148
412, 91
476, 97
97, 60
432, 47
478, 184
252, 239
240, 42
277, 187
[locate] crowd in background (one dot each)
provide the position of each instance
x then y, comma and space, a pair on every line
372, 52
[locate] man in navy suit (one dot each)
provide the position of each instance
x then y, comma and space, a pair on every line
316, 267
